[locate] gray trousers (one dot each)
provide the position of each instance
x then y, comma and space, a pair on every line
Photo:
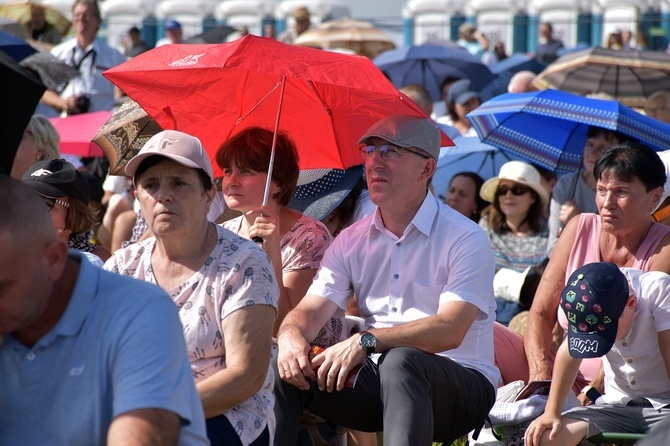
414, 397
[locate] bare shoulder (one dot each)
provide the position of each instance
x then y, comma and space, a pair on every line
660, 260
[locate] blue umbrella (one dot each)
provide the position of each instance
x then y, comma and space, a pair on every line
549, 127
505, 70
429, 65
17, 49
518, 62
468, 155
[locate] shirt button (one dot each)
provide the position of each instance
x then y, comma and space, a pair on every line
395, 276
624, 344
633, 382
629, 361
394, 309
30, 356
398, 244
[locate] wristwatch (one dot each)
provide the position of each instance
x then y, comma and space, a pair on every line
368, 341
591, 393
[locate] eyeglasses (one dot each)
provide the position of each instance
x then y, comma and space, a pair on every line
51, 202
387, 152
516, 190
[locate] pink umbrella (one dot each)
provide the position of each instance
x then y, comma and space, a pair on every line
77, 131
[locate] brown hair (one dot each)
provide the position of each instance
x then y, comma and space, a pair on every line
251, 149
496, 218
80, 216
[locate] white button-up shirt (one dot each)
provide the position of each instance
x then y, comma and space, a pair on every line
441, 257
91, 63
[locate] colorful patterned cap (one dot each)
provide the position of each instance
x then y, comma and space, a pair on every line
593, 300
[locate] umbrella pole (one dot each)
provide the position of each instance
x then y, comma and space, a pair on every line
268, 182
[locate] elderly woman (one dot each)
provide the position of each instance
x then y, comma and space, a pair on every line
576, 192
39, 143
630, 179
66, 192
294, 242
222, 284
518, 232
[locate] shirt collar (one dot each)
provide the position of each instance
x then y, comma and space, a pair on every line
423, 219
82, 299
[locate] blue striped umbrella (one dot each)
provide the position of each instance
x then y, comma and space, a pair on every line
549, 127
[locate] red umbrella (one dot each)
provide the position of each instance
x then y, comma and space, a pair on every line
327, 100
77, 131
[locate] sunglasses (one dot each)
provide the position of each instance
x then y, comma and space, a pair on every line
516, 190
387, 152
51, 202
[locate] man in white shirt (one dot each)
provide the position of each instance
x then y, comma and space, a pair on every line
90, 91
423, 277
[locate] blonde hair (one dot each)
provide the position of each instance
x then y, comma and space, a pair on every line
45, 135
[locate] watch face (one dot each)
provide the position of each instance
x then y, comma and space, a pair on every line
368, 340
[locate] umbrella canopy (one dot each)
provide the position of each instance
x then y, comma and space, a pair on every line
214, 35
549, 127
362, 37
213, 91
20, 11
470, 154
20, 91
429, 65
77, 131
17, 49
12, 27
54, 73
505, 70
124, 134
628, 76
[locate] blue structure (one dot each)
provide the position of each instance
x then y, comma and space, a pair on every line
520, 35
149, 30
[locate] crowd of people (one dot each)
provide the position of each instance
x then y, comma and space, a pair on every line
172, 307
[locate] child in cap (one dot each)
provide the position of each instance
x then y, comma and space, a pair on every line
622, 316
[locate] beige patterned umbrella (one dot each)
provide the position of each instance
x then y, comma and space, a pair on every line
124, 134
356, 35
20, 11
627, 76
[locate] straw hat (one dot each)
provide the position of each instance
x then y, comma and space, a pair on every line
519, 172
301, 13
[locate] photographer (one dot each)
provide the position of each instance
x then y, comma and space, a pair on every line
89, 91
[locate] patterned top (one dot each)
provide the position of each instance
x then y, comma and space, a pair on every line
81, 242
301, 248
235, 275
516, 252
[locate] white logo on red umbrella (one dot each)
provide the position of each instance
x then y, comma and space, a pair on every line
191, 59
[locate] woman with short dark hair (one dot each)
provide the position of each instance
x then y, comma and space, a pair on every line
294, 242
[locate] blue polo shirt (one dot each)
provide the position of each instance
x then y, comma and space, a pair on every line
118, 347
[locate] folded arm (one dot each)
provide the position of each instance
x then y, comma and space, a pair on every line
247, 335
543, 313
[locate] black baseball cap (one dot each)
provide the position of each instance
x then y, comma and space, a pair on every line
57, 178
593, 301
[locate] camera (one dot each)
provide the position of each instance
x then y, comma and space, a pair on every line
83, 103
